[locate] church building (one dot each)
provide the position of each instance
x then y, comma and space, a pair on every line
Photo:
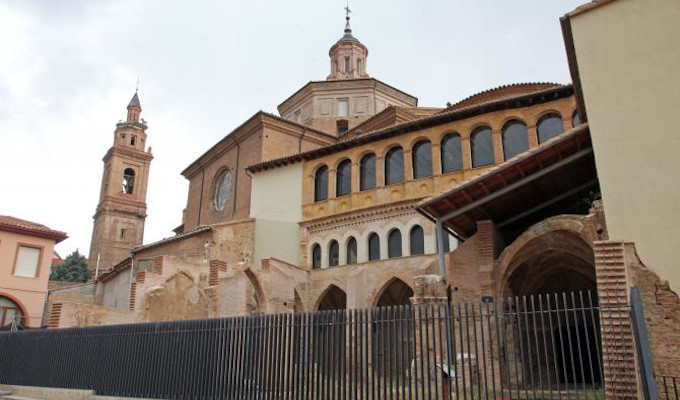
352, 191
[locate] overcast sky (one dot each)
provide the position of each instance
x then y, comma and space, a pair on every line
68, 70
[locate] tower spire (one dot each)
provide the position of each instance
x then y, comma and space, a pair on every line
348, 29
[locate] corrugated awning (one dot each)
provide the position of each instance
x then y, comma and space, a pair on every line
513, 192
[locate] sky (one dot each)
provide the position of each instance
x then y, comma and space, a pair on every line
69, 68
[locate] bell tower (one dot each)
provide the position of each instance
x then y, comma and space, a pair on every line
121, 212
348, 56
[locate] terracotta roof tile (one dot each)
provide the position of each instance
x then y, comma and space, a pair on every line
17, 225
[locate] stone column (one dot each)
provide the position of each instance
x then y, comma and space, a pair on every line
430, 361
467, 152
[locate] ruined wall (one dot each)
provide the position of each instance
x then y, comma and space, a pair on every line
662, 313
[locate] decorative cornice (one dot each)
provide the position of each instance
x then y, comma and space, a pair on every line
359, 217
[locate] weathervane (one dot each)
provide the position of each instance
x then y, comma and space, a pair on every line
137, 87
347, 10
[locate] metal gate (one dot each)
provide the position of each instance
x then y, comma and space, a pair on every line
547, 346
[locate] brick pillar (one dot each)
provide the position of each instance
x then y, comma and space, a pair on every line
618, 351
486, 254
216, 266
429, 305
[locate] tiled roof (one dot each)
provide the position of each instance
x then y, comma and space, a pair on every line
450, 114
502, 92
197, 230
258, 114
17, 225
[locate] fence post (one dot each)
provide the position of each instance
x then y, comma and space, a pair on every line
644, 352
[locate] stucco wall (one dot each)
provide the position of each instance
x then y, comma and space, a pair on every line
275, 206
29, 293
628, 55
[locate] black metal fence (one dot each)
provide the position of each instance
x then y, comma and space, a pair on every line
546, 346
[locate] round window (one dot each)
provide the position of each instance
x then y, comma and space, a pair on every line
222, 191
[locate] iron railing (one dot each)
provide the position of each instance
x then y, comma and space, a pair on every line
546, 346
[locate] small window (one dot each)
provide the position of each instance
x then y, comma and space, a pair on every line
316, 256
27, 261
343, 108
359, 67
549, 126
394, 244
343, 180
123, 232
422, 159
321, 184
482, 147
394, 166
373, 247
417, 237
351, 251
347, 65
367, 172
452, 156
334, 254
515, 139
133, 140
298, 116
575, 119
128, 180
342, 127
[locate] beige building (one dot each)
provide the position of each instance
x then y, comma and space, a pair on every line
26, 250
627, 79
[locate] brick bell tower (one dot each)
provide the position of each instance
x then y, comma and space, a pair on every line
119, 219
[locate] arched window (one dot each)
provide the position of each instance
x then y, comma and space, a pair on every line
128, 180
452, 156
515, 139
343, 181
333, 254
482, 147
417, 240
575, 119
394, 244
373, 247
549, 126
316, 256
351, 251
367, 169
422, 159
394, 166
10, 312
321, 184
222, 190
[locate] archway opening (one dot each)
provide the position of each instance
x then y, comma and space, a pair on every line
390, 339
554, 323
333, 298
329, 333
10, 312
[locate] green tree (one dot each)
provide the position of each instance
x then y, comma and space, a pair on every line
74, 269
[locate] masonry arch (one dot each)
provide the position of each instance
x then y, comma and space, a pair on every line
395, 292
333, 298
254, 295
553, 261
11, 309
